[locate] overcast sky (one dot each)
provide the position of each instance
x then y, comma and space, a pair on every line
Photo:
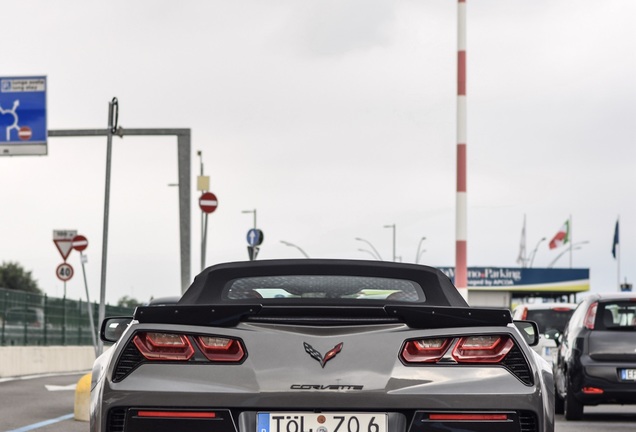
333, 119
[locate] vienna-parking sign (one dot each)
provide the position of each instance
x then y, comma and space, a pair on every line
23, 116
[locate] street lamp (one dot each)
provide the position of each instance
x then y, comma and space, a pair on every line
392, 226
534, 251
369, 252
251, 211
372, 247
417, 255
575, 246
297, 247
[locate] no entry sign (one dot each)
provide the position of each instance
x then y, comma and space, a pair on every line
208, 202
79, 243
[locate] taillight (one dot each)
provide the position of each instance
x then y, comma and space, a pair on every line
425, 350
524, 314
561, 309
593, 390
590, 316
164, 346
467, 417
220, 349
482, 349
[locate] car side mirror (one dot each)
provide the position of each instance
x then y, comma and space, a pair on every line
529, 330
112, 328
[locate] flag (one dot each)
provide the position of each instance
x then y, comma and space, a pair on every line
561, 237
521, 259
615, 240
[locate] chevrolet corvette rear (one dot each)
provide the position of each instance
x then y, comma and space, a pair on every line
320, 346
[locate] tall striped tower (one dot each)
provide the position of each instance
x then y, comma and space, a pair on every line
461, 277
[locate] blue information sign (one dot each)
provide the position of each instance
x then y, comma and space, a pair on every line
23, 116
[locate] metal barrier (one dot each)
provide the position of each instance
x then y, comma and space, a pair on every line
34, 319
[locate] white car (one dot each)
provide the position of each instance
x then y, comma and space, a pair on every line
551, 319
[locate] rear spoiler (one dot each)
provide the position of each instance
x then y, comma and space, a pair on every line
415, 316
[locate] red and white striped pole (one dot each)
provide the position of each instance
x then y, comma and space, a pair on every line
461, 274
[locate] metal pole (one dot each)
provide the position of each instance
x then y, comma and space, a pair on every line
204, 219
461, 230
183, 147
89, 306
417, 255
113, 106
392, 226
372, 247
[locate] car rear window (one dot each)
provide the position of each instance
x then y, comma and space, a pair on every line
616, 316
550, 319
323, 287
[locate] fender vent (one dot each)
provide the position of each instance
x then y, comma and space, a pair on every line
516, 362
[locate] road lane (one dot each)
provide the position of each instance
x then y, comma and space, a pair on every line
44, 403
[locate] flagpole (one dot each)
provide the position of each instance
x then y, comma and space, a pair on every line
618, 255
570, 238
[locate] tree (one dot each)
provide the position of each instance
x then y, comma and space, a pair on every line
14, 277
128, 302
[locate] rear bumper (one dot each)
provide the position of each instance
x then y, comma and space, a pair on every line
138, 420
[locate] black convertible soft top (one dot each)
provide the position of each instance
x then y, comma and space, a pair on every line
323, 292
211, 286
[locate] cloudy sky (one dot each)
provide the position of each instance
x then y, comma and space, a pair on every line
332, 118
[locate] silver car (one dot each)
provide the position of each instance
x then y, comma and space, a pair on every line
320, 346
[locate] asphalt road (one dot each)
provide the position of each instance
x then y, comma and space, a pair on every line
46, 404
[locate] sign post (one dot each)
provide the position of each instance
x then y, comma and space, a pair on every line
208, 203
23, 116
63, 240
80, 243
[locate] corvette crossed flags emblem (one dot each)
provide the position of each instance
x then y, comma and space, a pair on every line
318, 357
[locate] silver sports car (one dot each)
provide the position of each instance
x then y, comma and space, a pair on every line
320, 346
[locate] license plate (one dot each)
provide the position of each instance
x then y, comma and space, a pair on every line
546, 351
321, 422
628, 374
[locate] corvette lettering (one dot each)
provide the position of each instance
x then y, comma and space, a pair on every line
325, 387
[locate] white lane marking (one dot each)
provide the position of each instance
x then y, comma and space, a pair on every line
60, 388
42, 423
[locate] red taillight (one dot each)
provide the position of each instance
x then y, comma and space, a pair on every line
593, 390
467, 417
561, 309
425, 350
176, 414
590, 316
219, 349
524, 314
482, 349
164, 346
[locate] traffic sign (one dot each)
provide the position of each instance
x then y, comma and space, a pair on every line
208, 202
64, 272
23, 116
255, 237
63, 240
252, 252
79, 243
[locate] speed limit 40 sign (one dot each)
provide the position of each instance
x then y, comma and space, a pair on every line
64, 272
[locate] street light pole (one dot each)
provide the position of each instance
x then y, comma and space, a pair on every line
372, 247
370, 253
392, 226
251, 211
417, 255
295, 246
575, 246
534, 251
